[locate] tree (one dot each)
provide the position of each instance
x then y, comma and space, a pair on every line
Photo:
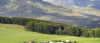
92, 33
29, 26
97, 32
3, 20
86, 34
84, 31
59, 31
78, 32
7, 20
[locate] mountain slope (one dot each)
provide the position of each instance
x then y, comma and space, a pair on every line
57, 13
80, 3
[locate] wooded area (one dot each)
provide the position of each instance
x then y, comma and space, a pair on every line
48, 27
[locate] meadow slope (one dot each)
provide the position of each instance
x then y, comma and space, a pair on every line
10, 33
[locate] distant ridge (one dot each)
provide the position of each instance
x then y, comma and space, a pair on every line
79, 3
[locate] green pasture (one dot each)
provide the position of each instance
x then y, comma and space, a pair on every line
10, 33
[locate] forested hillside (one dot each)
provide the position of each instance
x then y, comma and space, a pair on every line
48, 27
42, 10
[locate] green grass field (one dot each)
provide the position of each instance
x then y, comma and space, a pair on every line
10, 33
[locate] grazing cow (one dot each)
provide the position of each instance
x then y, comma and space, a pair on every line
68, 41
31, 42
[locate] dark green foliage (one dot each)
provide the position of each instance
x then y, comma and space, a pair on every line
29, 26
97, 32
48, 27
86, 34
20, 21
24, 42
92, 33
5, 20
84, 31
59, 31
56, 40
75, 41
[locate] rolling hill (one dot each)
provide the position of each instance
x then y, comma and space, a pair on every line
11, 33
38, 9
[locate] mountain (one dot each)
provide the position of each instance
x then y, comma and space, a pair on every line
80, 3
38, 9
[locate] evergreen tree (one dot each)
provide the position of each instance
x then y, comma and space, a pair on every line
29, 26
92, 33
97, 32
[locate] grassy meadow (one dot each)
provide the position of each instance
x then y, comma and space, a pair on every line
10, 33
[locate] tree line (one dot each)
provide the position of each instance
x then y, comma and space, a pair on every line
48, 27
